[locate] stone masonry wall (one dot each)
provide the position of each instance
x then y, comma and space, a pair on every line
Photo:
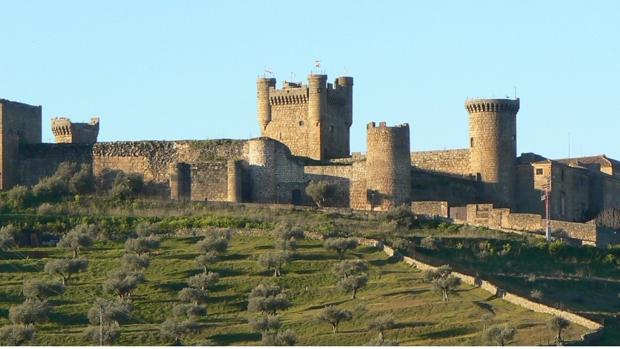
430, 208
455, 161
350, 181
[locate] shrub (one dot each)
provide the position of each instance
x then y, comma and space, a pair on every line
175, 328
45, 209
217, 243
83, 181
348, 268
537, 294
401, 216
189, 310
381, 324
557, 324
142, 245
104, 317
429, 243
285, 338
193, 295
203, 281
205, 260
50, 187
353, 283
274, 261
442, 280
7, 237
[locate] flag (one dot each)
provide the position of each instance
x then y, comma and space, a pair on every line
268, 71
317, 64
543, 197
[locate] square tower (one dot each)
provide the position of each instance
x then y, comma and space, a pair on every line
19, 123
312, 120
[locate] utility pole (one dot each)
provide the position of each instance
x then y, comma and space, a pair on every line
547, 197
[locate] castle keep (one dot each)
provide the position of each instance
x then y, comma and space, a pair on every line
305, 137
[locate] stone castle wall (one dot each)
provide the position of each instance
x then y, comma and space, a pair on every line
349, 179
454, 161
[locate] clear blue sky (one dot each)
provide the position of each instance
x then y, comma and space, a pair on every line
187, 69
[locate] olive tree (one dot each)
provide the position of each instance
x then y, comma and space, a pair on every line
557, 325
203, 281
274, 261
268, 299
285, 338
442, 280
17, 335
134, 262
193, 295
217, 243
340, 245
142, 245
350, 267
496, 335
30, 312
174, 329
122, 283
190, 311
320, 192
39, 290
7, 237
105, 317
353, 283
334, 316
380, 325
78, 237
205, 260
65, 268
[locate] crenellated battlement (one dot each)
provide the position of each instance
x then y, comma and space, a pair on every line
492, 105
66, 131
383, 124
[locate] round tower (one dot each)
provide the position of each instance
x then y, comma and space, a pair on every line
493, 147
346, 83
262, 164
264, 109
388, 166
234, 181
317, 107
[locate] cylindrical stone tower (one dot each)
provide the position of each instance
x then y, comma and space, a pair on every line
264, 109
317, 107
388, 166
346, 83
493, 148
234, 181
262, 163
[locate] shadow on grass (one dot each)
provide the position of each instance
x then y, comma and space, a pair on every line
384, 262
227, 272
451, 332
68, 319
4, 312
232, 338
23, 254
171, 286
485, 306
404, 292
316, 257
412, 324
18, 268
184, 256
321, 306
234, 257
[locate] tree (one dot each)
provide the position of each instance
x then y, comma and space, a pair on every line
142, 245
193, 295
127, 186
557, 325
30, 312
353, 283
146, 229
401, 216
66, 267
83, 181
174, 329
429, 243
203, 281
380, 325
217, 243
285, 338
39, 290
105, 317
351, 267
189, 310
320, 192
442, 280
266, 324
287, 237
496, 335
340, 245
334, 316
78, 237
16, 335
7, 237
122, 283
205, 260
267, 299
274, 261
19, 196
134, 262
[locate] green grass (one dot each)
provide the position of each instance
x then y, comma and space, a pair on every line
394, 288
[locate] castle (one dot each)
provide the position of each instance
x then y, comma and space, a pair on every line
305, 137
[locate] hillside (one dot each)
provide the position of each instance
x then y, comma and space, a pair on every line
421, 317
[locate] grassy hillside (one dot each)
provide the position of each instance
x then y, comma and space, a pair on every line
394, 288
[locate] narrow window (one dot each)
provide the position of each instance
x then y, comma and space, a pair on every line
471, 142
539, 171
301, 123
